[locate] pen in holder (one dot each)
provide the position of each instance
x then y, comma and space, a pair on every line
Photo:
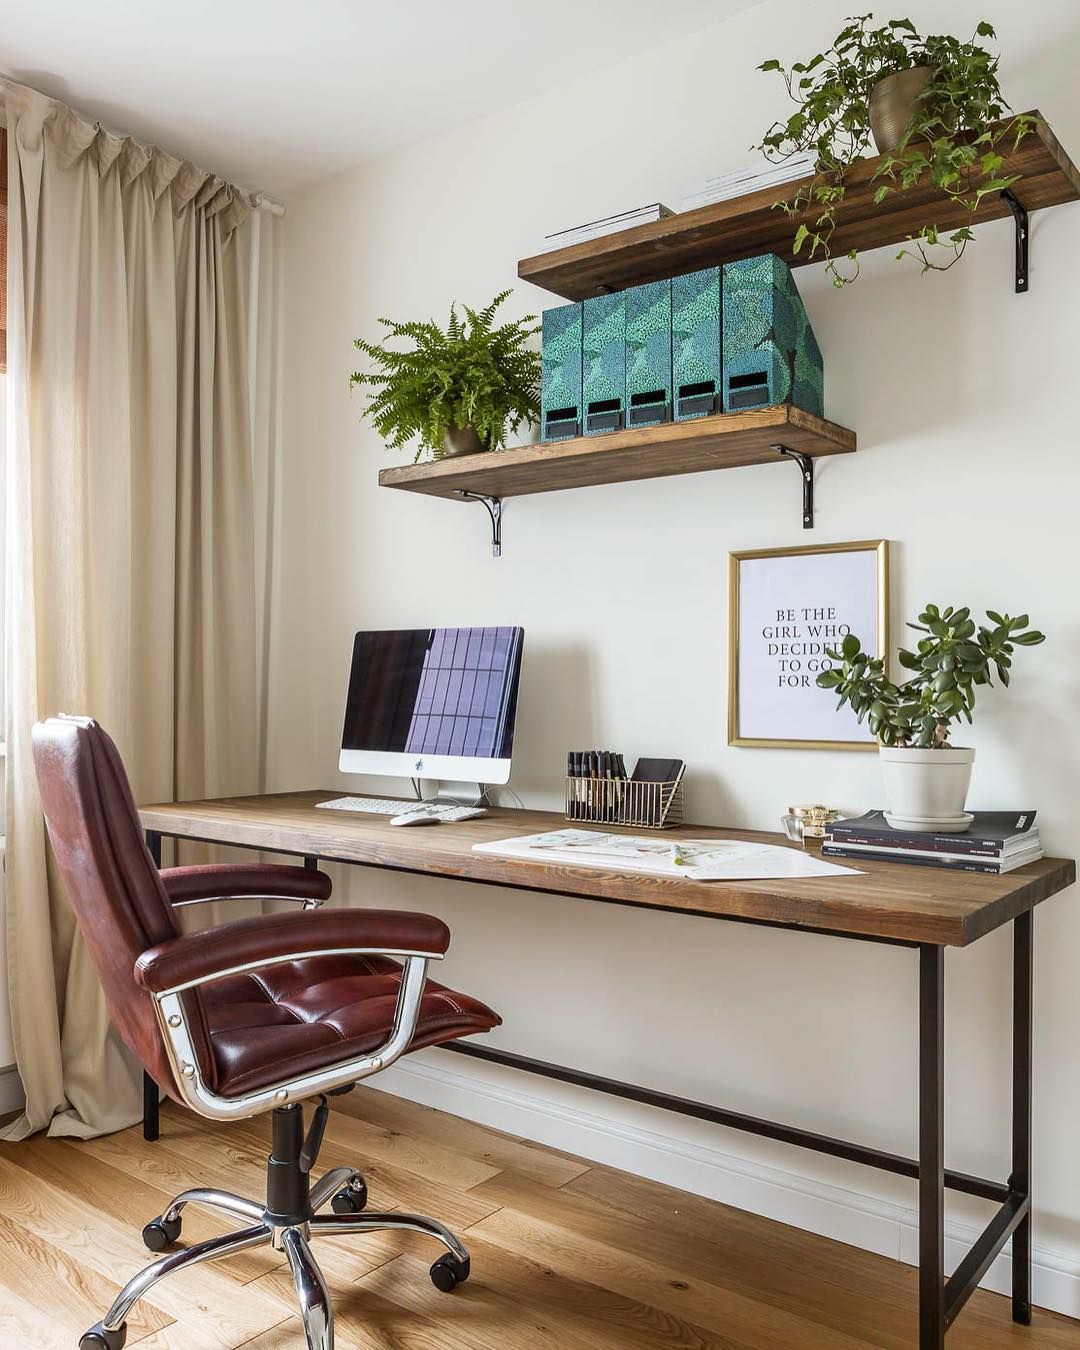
613, 800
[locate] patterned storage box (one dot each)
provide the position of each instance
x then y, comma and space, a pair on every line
695, 343
560, 389
648, 353
603, 353
770, 353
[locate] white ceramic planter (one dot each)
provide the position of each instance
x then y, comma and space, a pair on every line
926, 789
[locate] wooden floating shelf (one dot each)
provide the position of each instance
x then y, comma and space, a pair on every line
747, 226
725, 441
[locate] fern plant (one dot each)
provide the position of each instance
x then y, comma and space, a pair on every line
470, 374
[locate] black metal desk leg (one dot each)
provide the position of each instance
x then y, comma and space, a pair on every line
1020, 1181
151, 1126
151, 1120
931, 1147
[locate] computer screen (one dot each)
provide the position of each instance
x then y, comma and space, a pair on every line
433, 703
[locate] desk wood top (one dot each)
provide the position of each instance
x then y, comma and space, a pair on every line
889, 900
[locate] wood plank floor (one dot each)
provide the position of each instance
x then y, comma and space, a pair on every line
566, 1254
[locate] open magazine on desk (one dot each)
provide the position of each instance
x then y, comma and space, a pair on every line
696, 859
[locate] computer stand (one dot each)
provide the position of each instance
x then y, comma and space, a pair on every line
451, 793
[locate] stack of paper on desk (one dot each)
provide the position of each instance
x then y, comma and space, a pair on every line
697, 859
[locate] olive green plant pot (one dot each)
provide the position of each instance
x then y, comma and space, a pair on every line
461, 441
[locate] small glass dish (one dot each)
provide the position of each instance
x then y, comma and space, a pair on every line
807, 824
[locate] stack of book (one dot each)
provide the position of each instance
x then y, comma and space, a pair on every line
625, 220
739, 182
995, 841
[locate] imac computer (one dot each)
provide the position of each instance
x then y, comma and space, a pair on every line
435, 704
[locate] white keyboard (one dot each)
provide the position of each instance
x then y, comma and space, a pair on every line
387, 806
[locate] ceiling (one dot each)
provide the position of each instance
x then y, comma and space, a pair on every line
278, 95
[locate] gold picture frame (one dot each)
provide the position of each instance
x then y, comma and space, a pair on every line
879, 548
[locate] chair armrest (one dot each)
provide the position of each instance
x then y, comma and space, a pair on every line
266, 940
235, 881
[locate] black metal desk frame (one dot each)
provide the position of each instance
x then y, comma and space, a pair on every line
940, 1299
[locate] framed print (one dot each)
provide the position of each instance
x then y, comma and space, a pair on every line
786, 607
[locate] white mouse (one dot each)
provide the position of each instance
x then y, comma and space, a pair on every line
416, 818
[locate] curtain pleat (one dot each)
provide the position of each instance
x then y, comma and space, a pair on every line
131, 587
3, 249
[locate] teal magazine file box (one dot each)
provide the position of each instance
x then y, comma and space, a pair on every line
770, 354
560, 385
648, 353
603, 352
695, 343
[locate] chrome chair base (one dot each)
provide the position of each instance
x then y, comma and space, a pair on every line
343, 1187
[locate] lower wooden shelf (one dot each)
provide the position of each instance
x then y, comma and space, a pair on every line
726, 441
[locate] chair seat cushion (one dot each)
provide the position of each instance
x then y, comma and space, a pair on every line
304, 1015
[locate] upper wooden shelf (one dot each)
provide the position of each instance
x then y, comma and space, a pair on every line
747, 226
720, 442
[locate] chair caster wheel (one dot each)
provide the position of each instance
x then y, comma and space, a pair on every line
351, 1200
160, 1233
97, 1338
448, 1272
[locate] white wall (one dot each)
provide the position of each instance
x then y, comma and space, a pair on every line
960, 392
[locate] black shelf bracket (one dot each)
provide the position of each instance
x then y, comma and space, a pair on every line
493, 505
806, 469
1020, 216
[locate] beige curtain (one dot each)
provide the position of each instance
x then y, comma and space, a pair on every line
133, 328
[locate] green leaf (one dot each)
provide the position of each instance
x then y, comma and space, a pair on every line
801, 235
850, 647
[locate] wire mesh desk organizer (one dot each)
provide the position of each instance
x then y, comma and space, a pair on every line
599, 791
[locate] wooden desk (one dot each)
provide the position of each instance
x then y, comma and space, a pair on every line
910, 907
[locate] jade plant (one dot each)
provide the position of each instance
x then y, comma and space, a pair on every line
472, 373
951, 660
953, 139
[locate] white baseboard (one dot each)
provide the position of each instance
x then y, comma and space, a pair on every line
491, 1098
11, 1090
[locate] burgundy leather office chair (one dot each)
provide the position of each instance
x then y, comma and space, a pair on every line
257, 1015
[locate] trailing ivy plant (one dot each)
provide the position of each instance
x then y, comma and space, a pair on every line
949, 141
950, 661
470, 373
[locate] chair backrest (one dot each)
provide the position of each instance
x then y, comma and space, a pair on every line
112, 882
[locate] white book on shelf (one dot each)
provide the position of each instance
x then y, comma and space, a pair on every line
768, 168
743, 184
596, 229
